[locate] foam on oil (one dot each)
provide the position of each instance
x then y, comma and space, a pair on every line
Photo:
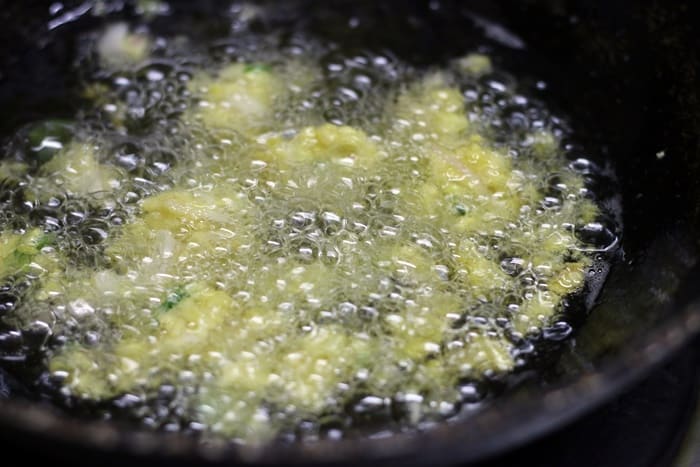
275, 238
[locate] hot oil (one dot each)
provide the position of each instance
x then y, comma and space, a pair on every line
300, 264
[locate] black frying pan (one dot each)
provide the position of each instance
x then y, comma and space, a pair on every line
627, 74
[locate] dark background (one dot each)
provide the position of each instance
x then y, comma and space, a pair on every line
629, 72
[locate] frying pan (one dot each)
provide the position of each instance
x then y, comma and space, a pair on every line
627, 74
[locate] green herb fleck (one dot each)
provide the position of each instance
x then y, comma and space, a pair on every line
251, 68
173, 298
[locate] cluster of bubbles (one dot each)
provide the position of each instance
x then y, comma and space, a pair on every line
335, 222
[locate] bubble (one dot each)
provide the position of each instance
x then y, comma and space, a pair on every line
597, 237
513, 266
369, 404
584, 166
557, 332
36, 334
10, 341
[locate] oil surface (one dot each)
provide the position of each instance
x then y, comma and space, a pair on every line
268, 235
